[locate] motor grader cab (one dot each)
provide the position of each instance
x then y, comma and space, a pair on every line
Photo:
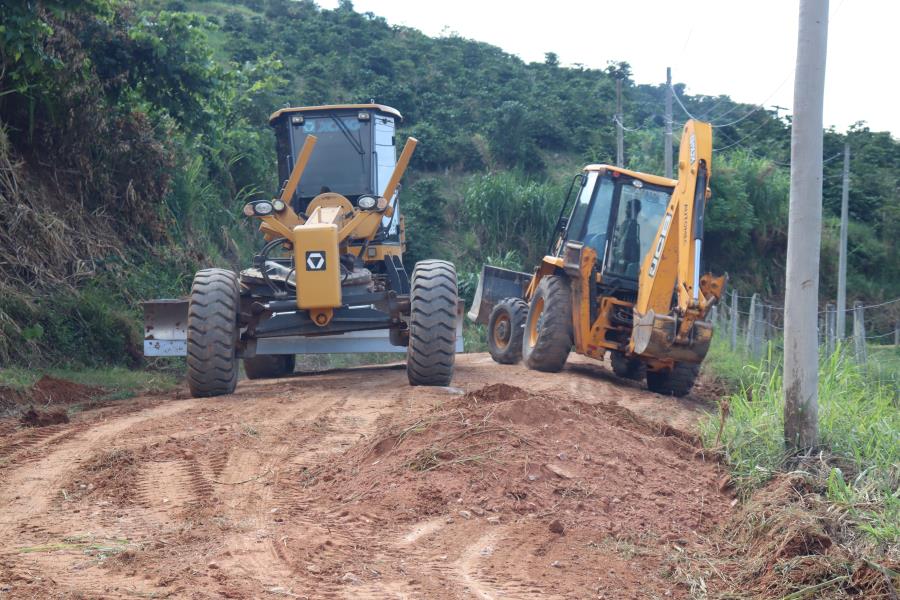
330, 276
621, 276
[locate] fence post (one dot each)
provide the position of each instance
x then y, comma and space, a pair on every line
859, 333
735, 319
714, 316
830, 328
897, 333
764, 316
748, 332
753, 323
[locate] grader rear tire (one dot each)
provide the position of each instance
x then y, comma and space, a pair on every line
505, 329
267, 366
212, 333
432, 323
548, 328
675, 382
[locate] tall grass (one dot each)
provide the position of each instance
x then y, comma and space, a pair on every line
859, 435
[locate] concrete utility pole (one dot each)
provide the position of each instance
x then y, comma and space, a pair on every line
801, 375
842, 255
668, 163
620, 134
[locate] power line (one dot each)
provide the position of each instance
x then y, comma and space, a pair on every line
730, 123
755, 129
629, 129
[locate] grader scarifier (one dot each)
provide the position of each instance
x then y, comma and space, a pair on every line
330, 277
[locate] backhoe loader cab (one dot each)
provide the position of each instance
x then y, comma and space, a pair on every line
330, 276
616, 213
621, 276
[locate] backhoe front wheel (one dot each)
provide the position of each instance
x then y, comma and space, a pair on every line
677, 381
548, 328
506, 327
432, 323
212, 333
267, 366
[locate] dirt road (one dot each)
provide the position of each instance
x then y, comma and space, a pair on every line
351, 484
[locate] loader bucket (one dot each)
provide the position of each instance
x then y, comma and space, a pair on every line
165, 327
654, 335
495, 284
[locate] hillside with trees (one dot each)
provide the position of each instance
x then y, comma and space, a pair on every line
132, 132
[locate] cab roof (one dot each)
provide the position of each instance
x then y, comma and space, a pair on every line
652, 179
305, 109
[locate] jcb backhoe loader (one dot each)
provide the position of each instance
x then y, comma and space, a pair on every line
622, 275
330, 278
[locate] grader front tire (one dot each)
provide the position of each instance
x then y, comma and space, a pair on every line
212, 333
432, 324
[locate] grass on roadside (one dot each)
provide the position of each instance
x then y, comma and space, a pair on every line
824, 524
119, 381
859, 423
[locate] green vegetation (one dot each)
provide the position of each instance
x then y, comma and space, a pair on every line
859, 418
119, 382
131, 131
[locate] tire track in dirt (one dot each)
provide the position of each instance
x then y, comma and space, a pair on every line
27, 488
32, 486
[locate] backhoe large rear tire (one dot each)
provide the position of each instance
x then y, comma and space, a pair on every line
505, 330
432, 323
675, 382
267, 366
548, 328
626, 368
212, 333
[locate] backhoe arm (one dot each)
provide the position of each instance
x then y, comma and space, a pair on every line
673, 264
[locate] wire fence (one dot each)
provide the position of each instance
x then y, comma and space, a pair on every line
752, 323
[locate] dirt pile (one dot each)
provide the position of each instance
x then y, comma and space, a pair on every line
48, 391
501, 455
51, 390
42, 418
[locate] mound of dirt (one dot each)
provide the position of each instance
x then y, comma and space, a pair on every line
42, 418
51, 390
110, 474
502, 450
47, 391
11, 397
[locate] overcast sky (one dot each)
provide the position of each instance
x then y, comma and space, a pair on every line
744, 49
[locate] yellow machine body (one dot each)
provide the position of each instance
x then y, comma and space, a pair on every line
332, 225
317, 266
663, 322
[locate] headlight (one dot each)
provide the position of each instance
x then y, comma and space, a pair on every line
263, 208
278, 205
367, 202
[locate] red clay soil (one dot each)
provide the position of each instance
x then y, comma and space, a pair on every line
33, 417
351, 484
50, 390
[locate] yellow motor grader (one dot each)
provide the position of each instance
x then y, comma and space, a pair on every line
621, 276
330, 277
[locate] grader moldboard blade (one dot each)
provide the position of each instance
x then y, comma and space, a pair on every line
165, 334
495, 284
